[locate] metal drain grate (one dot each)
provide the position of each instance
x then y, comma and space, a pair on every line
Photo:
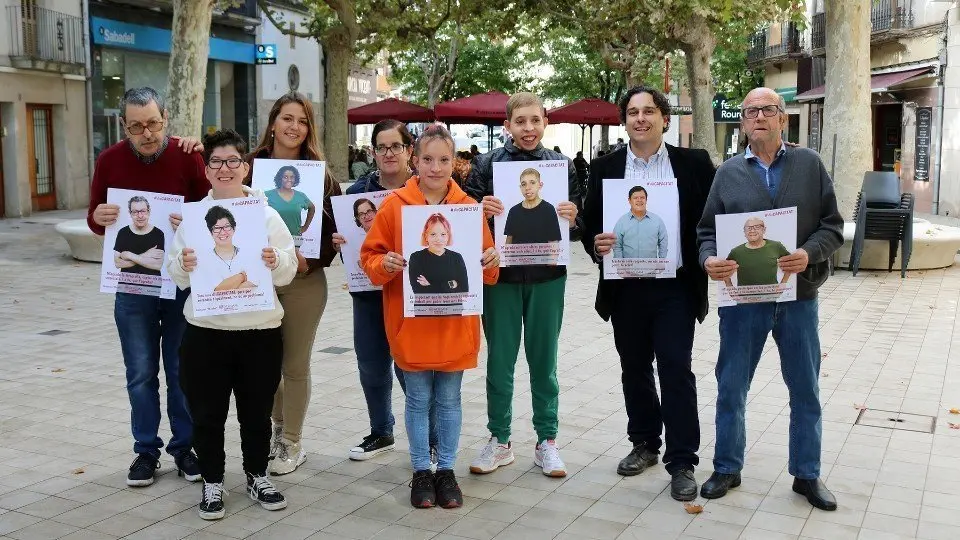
335, 350
896, 420
54, 332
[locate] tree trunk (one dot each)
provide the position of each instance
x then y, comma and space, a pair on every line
338, 54
847, 102
604, 138
187, 72
698, 55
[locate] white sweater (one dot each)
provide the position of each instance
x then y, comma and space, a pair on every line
278, 237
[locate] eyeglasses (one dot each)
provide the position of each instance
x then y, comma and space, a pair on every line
139, 212
394, 149
768, 111
222, 229
137, 128
754, 228
217, 164
366, 213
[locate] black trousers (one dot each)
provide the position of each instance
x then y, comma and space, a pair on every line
214, 363
655, 318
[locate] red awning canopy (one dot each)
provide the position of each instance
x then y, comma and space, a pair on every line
391, 108
487, 108
881, 82
589, 111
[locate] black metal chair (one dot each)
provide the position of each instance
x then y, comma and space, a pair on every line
883, 213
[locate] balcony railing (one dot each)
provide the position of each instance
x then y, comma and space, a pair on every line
40, 36
890, 15
762, 49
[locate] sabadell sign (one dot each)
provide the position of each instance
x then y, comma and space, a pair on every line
725, 111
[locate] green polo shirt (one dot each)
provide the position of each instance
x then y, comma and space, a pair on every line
757, 266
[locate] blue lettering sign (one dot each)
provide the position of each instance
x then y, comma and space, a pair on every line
152, 39
266, 53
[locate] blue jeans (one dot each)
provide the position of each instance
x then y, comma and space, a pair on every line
148, 325
439, 389
374, 363
743, 331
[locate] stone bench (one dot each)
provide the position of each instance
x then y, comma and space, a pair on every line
84, 245
934, 246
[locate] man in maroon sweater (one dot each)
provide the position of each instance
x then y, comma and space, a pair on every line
148, 325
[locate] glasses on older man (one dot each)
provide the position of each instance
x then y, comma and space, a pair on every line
768, 111
137, 128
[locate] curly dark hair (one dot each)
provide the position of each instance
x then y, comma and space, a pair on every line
215, 214
221, 138
659, 99
278, 178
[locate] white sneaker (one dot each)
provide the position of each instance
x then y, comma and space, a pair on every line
494, 454
290, 455
276, 440
547, 457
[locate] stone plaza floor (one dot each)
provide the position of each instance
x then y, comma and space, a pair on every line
65, 441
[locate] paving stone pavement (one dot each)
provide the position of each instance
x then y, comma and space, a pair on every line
65, 442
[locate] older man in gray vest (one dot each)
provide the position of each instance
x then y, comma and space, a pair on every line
771, 175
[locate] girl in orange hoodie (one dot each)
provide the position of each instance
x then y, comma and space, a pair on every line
433, 352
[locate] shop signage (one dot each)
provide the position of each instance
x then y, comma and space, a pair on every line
266, 53
725, 111
361, 86
814, 141
921, 167
110, 33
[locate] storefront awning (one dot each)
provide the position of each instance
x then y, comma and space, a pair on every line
880, 82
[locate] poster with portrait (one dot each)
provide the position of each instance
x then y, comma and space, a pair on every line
228, 236
135, 246
755, 240
443, 246
644, 217
355, 214
529, 231
294, 188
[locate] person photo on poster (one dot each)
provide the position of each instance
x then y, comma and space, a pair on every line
229, 269
290, 187
532, 231
436, 269
139, 247
289, 202
640, 234
357, 211
644, 222
768, 237
532, 220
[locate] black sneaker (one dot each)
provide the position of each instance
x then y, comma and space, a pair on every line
448, 491
142, 470
261, 490
211, 502
188, 466
371, 446
422, 491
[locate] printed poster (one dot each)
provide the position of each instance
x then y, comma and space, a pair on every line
529, 231
354, 215
135, 246
294, 188
443, 247
228, 236
755, 240
644, 216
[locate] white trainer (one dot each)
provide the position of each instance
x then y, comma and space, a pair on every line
276, 440
547, 457
495, 454
290, 455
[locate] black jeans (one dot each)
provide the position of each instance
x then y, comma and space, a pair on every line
655, 318
214, 363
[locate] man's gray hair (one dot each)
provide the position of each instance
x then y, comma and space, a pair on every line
136, 199
141, 97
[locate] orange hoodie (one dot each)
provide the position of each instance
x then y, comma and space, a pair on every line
420, 343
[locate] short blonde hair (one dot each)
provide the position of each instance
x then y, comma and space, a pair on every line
530, 171
523, 99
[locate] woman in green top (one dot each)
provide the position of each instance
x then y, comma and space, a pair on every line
290, 203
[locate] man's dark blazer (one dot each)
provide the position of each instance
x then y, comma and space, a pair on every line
694, 173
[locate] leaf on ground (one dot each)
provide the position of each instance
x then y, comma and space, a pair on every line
953, 426
77, 471
344, 286
825, 374
824, 355
57, 370
954, 411
859, 407
693, 508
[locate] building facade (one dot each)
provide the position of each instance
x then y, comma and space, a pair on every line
44, 141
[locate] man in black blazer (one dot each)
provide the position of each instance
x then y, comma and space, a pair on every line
655, 317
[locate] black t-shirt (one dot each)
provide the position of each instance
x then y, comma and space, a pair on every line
446, 273
537, 225
138, 244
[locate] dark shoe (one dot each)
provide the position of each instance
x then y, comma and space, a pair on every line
448, 491
816, 493
261, 490
211, 501
423, 494
142, 470
683, 485
371, 446
718, 484
637, 461
188, 466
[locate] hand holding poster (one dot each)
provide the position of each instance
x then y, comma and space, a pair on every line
355, 214
530, 231
644, 218
755, 241
135, 246
228, 237
295, 188
443, 245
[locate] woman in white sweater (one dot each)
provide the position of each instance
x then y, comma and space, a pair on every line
239, 352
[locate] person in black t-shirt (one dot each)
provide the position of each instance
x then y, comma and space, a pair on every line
138, 248
533, 220
437, 269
